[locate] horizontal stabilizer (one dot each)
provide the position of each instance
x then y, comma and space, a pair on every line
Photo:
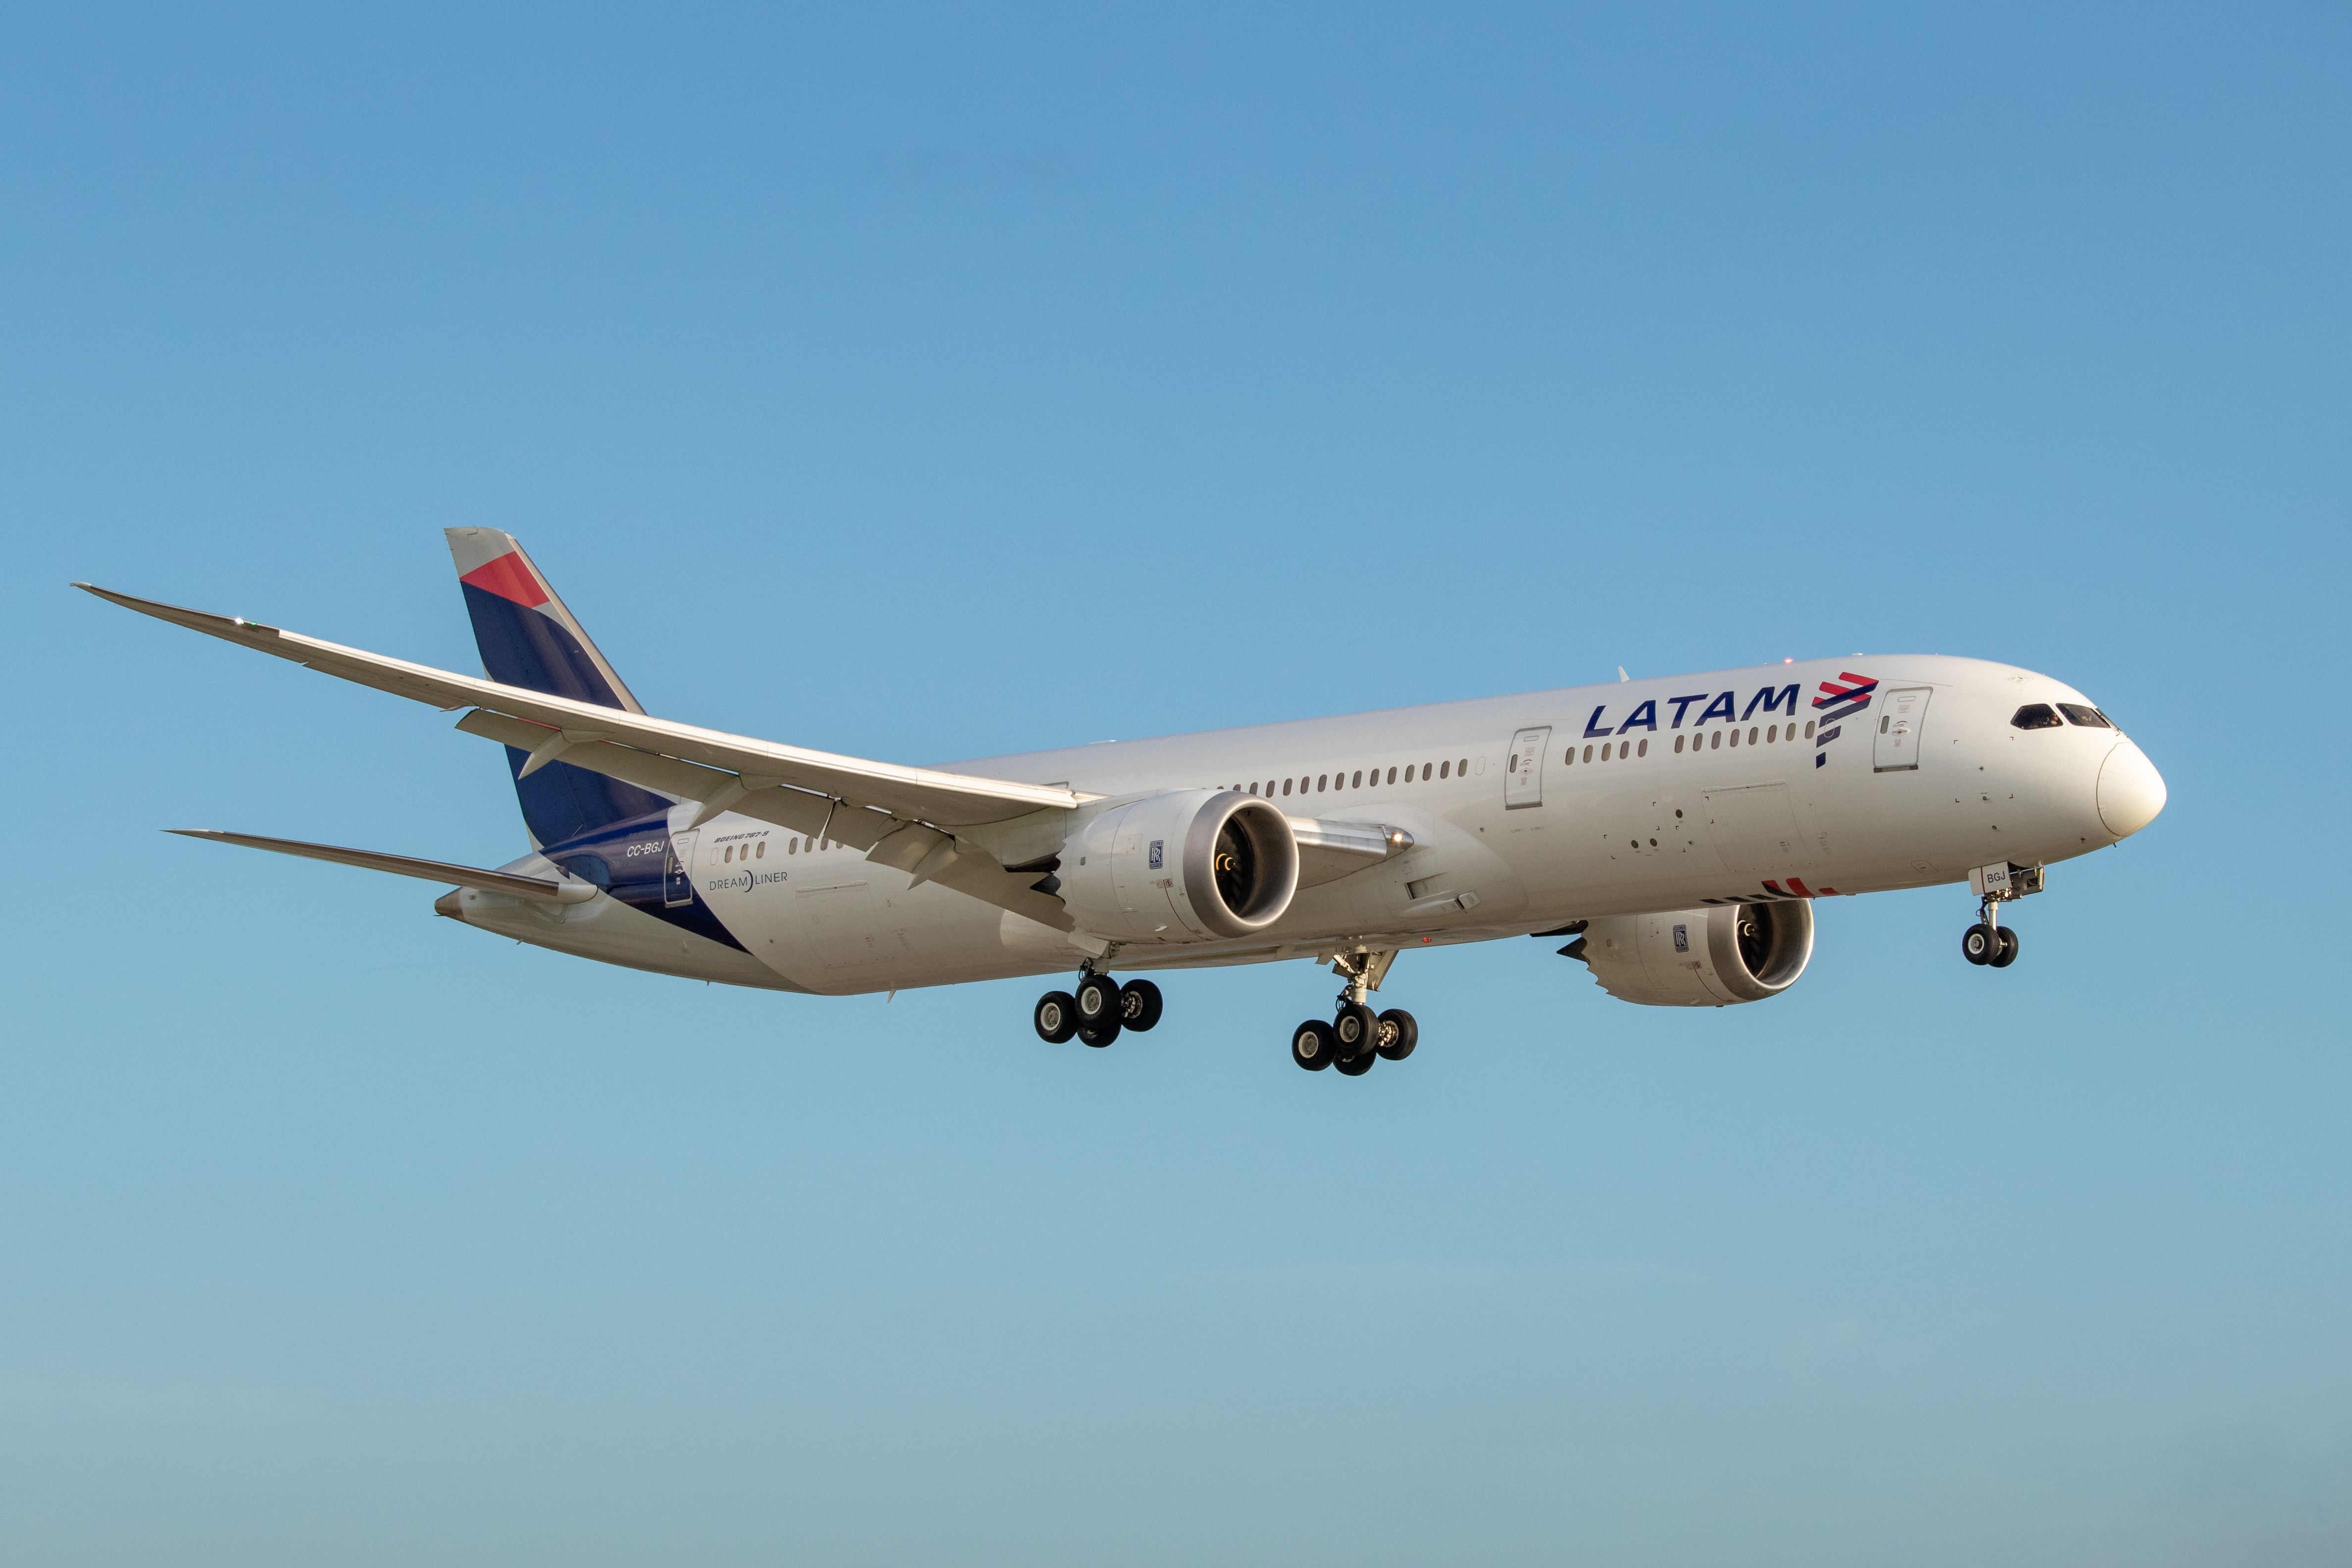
546, 889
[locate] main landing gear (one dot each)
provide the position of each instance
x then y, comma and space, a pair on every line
1098, 1010
1989, 942
1356, 1036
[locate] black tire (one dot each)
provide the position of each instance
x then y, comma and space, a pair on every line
1357, 1066
1357, 1031
1097, 996
1979, 943
2008, 954
1139, 1005
1057, 1017
1312, 1047
1098, 1035
1399, 1034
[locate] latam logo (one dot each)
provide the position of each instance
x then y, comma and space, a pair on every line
1726, 707
1842, 698
1843, 702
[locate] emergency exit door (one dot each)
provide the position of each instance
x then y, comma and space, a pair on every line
1523, 774
1902, 721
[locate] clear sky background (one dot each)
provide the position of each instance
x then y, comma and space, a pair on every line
923, 383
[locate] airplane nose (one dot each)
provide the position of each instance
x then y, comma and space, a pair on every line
2131, 791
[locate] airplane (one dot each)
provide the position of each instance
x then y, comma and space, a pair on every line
1677, 831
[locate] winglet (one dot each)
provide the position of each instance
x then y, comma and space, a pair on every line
236, 628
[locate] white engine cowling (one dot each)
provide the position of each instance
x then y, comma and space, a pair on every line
1701, 958
1192, 866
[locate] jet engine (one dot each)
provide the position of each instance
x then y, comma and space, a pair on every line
1699, 958
1192, 866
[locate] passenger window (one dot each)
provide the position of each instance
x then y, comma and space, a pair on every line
791, 845
1571, 756
1424, 771
1285, 787
1771, 734
1587, 753
1751, 734
761, 852
1678, 744
1320, 780
1444, 768
1463, 767
1716, 744
2089, 718
2036, 716
1808, 728
1359, 781
1644, 750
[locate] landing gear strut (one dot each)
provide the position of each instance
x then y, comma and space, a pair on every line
1989, 942
1356, 1036
1097, 1010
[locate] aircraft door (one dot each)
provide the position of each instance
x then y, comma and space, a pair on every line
1523, 776
1902, 718
677, 870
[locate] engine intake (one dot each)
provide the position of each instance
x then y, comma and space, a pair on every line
1192, 866
1701, 958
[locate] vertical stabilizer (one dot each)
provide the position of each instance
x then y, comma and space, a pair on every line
529, 638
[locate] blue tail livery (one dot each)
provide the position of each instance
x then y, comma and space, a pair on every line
528, 638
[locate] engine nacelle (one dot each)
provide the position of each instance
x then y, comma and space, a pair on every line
1192, 866
1701, 958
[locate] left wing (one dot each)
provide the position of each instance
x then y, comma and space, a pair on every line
956, 829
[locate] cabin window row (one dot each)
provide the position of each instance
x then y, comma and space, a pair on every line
1318, 783
792, 846
1706, 741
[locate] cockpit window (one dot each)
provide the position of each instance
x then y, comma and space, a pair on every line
2036, 716
2089, 718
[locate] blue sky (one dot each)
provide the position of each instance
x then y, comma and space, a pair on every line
919, 383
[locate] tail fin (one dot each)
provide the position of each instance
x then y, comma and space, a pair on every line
528, 638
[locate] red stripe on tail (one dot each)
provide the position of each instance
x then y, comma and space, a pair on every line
509, 578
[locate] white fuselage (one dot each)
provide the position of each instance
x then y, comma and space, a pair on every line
1528, 817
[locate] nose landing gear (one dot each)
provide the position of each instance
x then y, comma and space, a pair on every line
1356, 1036
1989, 942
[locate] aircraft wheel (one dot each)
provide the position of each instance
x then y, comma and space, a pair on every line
1098, 1035
1399, 1034
1981, 944
1097, 999
1139, 1005
2008, 954
1357, 1031
1057, 1017
1357, 1066
1312, 1047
